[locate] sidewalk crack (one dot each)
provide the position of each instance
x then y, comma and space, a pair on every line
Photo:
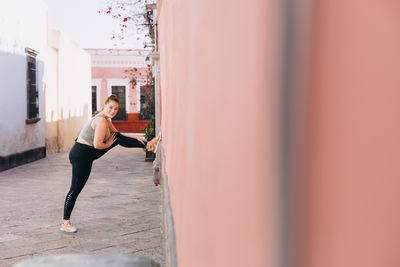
18, 256
32, 253
50, 249
101, 248
131, 233
146, 249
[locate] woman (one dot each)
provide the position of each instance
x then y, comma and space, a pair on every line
96, 138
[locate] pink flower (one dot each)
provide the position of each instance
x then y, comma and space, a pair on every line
125, 19
135, 69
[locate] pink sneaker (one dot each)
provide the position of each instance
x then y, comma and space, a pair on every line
68, 227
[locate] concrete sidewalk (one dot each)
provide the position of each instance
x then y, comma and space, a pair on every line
118, 211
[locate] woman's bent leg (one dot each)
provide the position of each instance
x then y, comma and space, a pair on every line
122, 140
80, 174
126, 141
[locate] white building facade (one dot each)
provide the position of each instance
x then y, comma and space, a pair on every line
23, 40
45, 85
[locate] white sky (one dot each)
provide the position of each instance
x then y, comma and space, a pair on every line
79, 20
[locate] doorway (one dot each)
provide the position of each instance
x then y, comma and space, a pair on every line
120, 92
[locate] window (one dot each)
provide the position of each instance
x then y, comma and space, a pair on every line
32, 88
94, 99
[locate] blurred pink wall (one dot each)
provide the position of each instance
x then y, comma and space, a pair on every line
220, 87
219, 72
352, 178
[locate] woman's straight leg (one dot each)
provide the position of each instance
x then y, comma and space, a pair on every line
80, 173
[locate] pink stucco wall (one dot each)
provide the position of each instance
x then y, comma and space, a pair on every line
105, 73
219, 80
353, 187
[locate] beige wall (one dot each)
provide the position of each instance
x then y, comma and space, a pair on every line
68, 91
219, 72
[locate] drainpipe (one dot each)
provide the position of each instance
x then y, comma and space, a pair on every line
155, 56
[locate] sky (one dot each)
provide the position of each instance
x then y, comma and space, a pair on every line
80, 20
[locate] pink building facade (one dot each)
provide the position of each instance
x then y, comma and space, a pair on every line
110, 74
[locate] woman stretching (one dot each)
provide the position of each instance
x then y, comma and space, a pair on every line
96, 138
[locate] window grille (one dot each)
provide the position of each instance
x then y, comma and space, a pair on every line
32, 88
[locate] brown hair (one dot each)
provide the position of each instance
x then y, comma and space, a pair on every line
108, 100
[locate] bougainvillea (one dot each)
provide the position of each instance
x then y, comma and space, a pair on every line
134, 75
134, 18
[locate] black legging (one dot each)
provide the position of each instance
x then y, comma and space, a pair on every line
81, 157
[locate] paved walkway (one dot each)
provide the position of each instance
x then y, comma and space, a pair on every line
118, 211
